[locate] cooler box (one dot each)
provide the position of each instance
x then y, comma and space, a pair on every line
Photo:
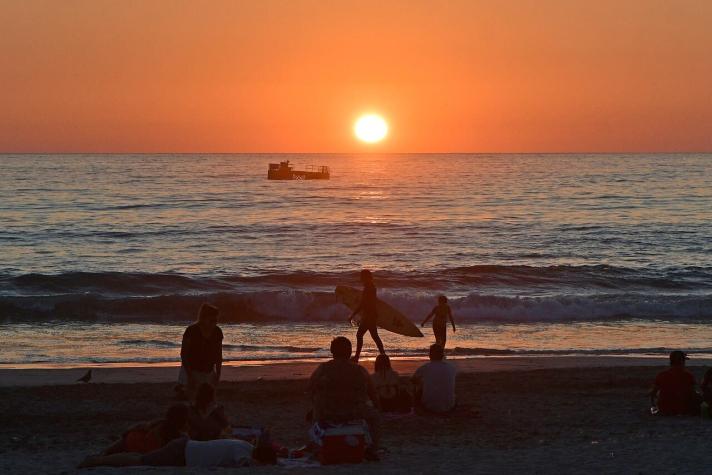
344, 443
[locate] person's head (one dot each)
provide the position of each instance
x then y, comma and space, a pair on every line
366, 276
204, 396
341, 348
442, 300
175, 421
677, 358
383, 363
208, 316
437, 352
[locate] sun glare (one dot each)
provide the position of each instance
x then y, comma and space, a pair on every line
371, 128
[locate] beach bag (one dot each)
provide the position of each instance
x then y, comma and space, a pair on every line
341, 443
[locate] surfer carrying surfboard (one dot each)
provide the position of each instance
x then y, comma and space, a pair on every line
369, 314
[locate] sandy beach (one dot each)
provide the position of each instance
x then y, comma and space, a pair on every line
528, 415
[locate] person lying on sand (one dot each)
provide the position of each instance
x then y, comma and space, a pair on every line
149, 436
342, 391
392, 397
201, 352
206, 418
183, 452
673, 392
435, 383
441, 313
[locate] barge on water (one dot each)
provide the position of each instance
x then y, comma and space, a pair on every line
285, 171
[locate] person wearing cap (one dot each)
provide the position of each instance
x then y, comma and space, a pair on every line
674, 389
201, 351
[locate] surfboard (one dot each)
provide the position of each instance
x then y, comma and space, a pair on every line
388, 317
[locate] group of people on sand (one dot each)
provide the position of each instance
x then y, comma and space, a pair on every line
341, 391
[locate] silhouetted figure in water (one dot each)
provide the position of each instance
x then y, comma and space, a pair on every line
368, 307
440, 315
86, 378
674, 390
201, 351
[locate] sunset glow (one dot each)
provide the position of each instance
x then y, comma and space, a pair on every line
371, 128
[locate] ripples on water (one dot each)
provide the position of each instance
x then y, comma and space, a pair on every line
511, 238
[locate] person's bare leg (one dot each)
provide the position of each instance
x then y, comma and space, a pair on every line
377, 339
359, 342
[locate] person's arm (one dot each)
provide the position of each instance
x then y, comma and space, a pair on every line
654, 391
452, 322
218, 358
430, 315
371, 390
356, 311
186, 354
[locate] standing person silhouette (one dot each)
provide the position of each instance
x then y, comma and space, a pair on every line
201, 352
368, 307
442, 313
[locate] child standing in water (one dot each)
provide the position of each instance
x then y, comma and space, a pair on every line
369, 314
442, 313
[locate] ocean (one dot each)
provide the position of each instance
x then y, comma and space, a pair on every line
104, 259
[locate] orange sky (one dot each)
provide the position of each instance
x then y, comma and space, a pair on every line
292, 75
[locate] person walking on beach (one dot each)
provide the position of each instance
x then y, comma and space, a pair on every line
440, 315
368, 307
201, 351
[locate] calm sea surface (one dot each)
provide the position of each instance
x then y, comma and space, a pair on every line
105, 258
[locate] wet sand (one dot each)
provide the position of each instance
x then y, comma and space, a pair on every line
525, 415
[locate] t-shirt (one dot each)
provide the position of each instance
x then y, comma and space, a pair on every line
339, 391
199, 353
192, 453
677, 389
437, 379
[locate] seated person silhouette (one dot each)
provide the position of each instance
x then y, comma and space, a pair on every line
435, 384
392, 397
206, 418
673, 392
342, 391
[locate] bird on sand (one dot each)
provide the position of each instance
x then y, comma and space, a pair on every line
86, 378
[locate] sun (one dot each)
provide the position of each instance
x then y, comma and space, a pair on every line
371, 128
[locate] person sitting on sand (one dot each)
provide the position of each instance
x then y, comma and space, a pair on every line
392, 397
183, 452
206, 418
442, 313
435, 383
674, 390
368, 307
342, 391
201, 351
149, 436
